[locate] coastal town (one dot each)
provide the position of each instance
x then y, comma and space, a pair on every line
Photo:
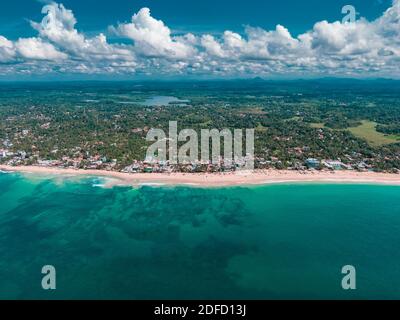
295, 129
84, 161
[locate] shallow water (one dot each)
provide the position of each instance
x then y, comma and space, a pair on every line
277, 241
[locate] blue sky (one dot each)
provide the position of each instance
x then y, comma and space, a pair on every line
287, 38
190, 15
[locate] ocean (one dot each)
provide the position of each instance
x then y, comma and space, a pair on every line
286, 241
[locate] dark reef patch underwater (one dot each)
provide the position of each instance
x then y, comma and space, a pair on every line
270, 242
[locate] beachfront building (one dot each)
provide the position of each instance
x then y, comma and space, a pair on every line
313, 163
333, 165
3, 153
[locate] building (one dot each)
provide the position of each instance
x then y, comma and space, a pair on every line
334, 165
313, 163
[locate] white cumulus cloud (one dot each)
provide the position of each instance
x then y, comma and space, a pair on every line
149, 47
7, 50
153, 38
37, 49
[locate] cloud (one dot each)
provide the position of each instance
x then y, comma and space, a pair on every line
147, 46
152, 38
37, 49
58, 27
212, 46
7, 50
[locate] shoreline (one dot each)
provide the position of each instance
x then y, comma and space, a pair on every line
241, 178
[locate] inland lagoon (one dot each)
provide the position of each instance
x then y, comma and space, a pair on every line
162, 242
159, 101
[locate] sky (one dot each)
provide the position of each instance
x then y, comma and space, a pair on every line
206, 39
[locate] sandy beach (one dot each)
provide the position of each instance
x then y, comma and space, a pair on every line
257, 177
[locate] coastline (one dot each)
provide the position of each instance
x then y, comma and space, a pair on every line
241, 178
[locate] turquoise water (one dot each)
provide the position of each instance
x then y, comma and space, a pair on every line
271, 242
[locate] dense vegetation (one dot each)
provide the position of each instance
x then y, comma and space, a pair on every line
294, 120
